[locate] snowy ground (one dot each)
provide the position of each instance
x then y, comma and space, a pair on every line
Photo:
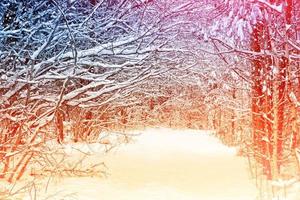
164, 164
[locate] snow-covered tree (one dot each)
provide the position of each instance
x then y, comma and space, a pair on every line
266, 34
80, 61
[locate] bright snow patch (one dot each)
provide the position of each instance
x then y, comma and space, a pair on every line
163, 164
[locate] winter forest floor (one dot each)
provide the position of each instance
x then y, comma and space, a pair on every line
162, 164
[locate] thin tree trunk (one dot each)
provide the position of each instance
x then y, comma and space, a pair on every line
256, 96
233, 113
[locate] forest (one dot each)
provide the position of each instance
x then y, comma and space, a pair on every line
95, 71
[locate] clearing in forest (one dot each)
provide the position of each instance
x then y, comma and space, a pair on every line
164, 164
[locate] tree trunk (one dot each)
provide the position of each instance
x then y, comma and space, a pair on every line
260, 129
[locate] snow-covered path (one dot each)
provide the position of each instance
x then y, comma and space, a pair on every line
164, 164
